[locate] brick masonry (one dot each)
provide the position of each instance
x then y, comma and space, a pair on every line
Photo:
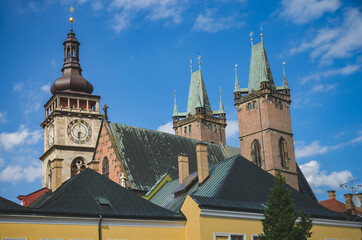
106, 149
267, 118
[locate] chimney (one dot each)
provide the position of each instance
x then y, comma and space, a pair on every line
183, 166
332, 194
349, 204
202, 161
359, 195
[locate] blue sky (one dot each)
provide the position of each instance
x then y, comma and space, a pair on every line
136, 53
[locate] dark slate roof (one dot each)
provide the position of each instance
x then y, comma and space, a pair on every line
148, 154
79, 196
239, 185
7, 206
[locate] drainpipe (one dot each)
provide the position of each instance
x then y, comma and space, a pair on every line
100, 227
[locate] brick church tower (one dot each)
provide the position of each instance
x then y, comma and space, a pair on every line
72, 120
266, 136
200, 122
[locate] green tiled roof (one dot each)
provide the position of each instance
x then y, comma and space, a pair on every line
147, 154
236, 184
197, 93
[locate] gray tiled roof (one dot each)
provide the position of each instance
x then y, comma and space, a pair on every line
78, 197
236, 184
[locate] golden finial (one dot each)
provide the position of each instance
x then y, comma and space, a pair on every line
236, 67
220, 90
71, 19
174, 93
251, 36
191, 64
199, 57
261, 32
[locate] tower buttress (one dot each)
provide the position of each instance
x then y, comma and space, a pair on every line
266, 136
199, 121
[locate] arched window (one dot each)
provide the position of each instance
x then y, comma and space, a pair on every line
283, 153
105, 167
255, 153
77, 166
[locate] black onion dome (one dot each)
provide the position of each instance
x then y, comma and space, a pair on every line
71, 79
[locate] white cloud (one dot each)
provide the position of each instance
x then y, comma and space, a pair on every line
23, 136
232, 129
166, 128
324, 88
126, 11
344, 71
317, 178
302, 150
2, 162
209, 23
18, 87
17, 172
341, 41
304, 11
2, 117
45, 88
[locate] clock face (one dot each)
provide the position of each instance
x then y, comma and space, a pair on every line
51, 135
79, 131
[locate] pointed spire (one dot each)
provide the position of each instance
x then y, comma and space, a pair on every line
71, 79
175, 111
237, 86
221, 107
259, 68
285, 82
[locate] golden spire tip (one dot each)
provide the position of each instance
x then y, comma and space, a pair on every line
71, 19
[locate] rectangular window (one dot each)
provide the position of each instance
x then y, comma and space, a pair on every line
255, 237
210, 126
229, 236
185, 129
215, 129
249, 106
254, 104
14, 239
190, 129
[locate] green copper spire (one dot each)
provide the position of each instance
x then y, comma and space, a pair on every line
175, 111
285, 83
221, 107
259, 68
197, 93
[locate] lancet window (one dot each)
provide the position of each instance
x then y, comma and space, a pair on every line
255, 153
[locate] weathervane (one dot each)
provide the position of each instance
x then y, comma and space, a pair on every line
261, 33
71, 19
251, 37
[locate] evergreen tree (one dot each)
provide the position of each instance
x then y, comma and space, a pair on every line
279, 221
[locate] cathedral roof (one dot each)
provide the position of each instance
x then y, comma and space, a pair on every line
148, 154
234, 184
